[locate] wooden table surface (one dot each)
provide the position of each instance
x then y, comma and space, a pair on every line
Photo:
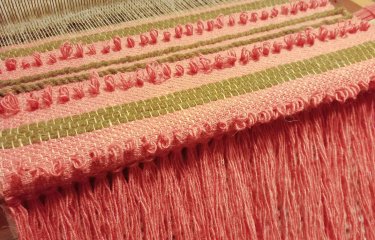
350, 5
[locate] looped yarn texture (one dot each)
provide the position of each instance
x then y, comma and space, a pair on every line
250, 119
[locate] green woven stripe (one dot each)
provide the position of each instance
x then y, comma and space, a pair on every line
173, 58
144, 27
106, 117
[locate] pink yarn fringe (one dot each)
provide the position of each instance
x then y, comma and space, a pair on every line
308, 176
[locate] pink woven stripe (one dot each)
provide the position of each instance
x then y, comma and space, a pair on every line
209, 46
186, 82
185, 40
290, 97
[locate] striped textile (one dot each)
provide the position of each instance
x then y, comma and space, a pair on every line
124, 96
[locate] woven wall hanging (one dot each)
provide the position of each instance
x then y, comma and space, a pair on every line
187, 119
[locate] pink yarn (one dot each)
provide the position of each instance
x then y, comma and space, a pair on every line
47, 96
303, 6
193, 67
205, 64
276, 47
117, 44
231, 57
200, 27
364, 26
130, 42
178, 31
106, 48
139, 78
52, 59
9, 104
179, 70
66, 50
314, 4
284, 10
166, 36
219, 61
264, 15
125, 83
143, 40
220, 21
245, 55
32, 102
300, 40
266, 48
343, 31
238, 193
323, 33
294, 8
231, 21
189, 29
310, 37
78, 92
154, 36
63, 95
109, 82
289, 42
10, 64
79, 51
210, 25
37, 59
244, 18
94, 86
255, 53
151, 71
167, 72
333, 33
274, 12
254, 17
25, 64
91, 49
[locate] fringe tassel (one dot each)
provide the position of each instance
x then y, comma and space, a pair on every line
309, 176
